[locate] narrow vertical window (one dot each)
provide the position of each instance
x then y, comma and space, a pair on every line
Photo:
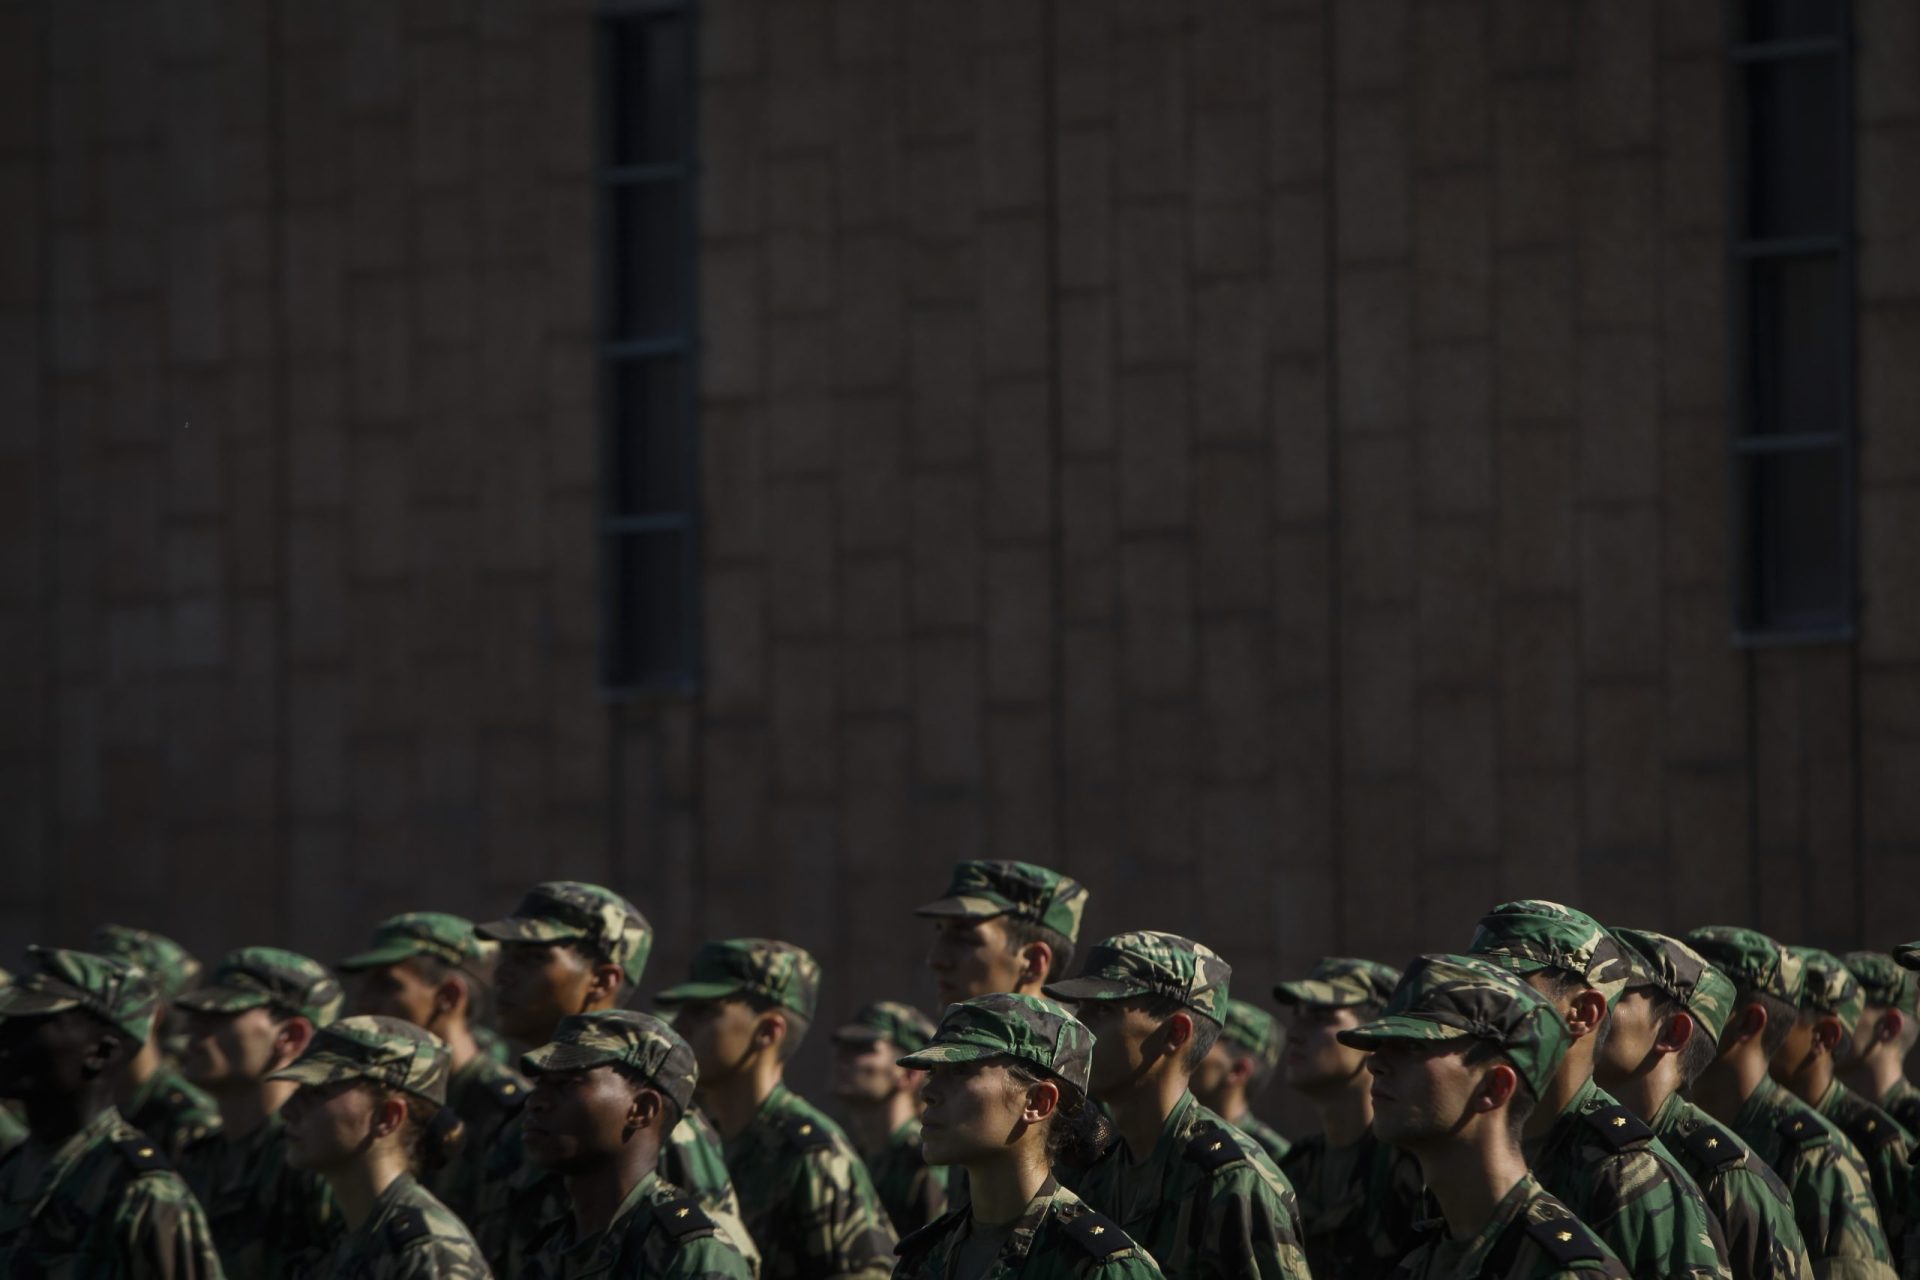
1790, 280
649, 557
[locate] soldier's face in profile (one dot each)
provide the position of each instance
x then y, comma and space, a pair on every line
1421, 1090
536, 985
864, 1070
1213, 1078
230, 1048
1125, 1038
46, 1055
1314, 1058
1796, 1052
974, 1109
1627, 1050
721, 1034
328, 1125
575, 1119
395, 991
972, 958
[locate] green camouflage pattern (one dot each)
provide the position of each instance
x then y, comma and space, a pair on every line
118, 994
255, 976
1747, 1199
901, 1025
1514, 1245
1359, 1205
1884, 984
1884, 1147
486, 1096
1041, 1245
1630, 1192
269, 1220
391, 1052
640, 1042
1902, 1102
13, 1130
1828, 987
1198, 1208
570, 911
1341, 982
805, 1194
409, 1236
1451, 997
435, 935
1271, 1140
1030, 1029
776, 971
1683, 975
1832, 1194
491, 1044
1533, 934
981, 890
1255, 1030
640, 1245
105, 1206
1149, 963
173, 1111
171, 966
912, 1191
1754, 961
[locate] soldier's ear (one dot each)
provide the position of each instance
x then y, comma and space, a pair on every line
1043, 1099
1177, 1031
1241, 1069
1677, 1034
1497, 1088
1585, 1012
1887, 1030
769, 1030
606, 984
389, 1113
452, 993
1036, 962
291, 1040
1827, 1034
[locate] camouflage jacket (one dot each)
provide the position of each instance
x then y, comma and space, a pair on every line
1884, 1146
520, 1203
174, 1113
486, 1096
1360, 1206
1271, 1140
1531, 1236
1832, 1196
805, 1194
1746, 1198
1057, 1238
106, 1206
1903, 1104
912, 1191
13, 1130
1205, 1202
659, 1232
408, 1236
1606, 1165
268, 1220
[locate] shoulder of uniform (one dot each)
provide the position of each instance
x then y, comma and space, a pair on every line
143, 1153
1214, 1148
506, 1088
407, 1224
1802, 1129
1098, 1235
682, 1218
1877, 1129
1713, 1146
1619, 1128
915, 1243
807, 1132
1566, 1240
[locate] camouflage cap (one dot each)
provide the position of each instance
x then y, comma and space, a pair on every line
380, 1050
981, 890
627, 1038
1030, 1029
1256, 1031
1754, 961
1907, 955
569, 911
1533, 934
776, 971
1683, 974
1828, 987
434, 934
1883, 983
1146, 963
1340, 982
119, 994
255, 976
889, 1020
171, 966
1451, 997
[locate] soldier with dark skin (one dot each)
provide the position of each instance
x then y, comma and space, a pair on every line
608, 1089
424, 967
1361, 1199
1006, 1099
805, 1194
1240, 1063
1665, 1028
1889, 1025
86, 1196
369, 1116
1585, 1148
1203, 1198
1002, 926
882, 1103
153, 1096
257, 1014
1460, 1055
1832, 1195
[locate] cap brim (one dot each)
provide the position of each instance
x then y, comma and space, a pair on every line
1093, 989
687, 991
18, 1002
935, 1054
316, 1069
966, 906
378, 957
855, 1033
1400, 1030
527, 929
1320, 995
222, 1000
1908, 956
564, 1057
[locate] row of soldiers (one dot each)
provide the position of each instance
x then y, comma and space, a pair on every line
1559, 1099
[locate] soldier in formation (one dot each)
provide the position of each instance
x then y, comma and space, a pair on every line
881, 1099
1239, 1064
153, 1096
1889, 1025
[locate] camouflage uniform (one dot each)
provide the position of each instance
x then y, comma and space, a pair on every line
172, 967
164, 1106
1253, 1030
268, 1219
804, 1193
13, 1130
674, 1236
1832, 1194
409, 1235
1207, 1200
1887, 985
1360, 1205
984, 890
106, 1204
1446, 999
913, 1192
1598, 1157
1057, 1235
1746, 1198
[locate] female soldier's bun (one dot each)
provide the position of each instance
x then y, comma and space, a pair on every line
432, 1134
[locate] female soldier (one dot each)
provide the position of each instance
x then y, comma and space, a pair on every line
1006, 1099
370, 1116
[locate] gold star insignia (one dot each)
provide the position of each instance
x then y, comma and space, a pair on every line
512, 1088
805, 1129
1798, 1124
1872, 1125
1564, 1237
145, 1152
1216, 1146
1712, 1143
681, 1214
1097, 1231
1619, 1122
